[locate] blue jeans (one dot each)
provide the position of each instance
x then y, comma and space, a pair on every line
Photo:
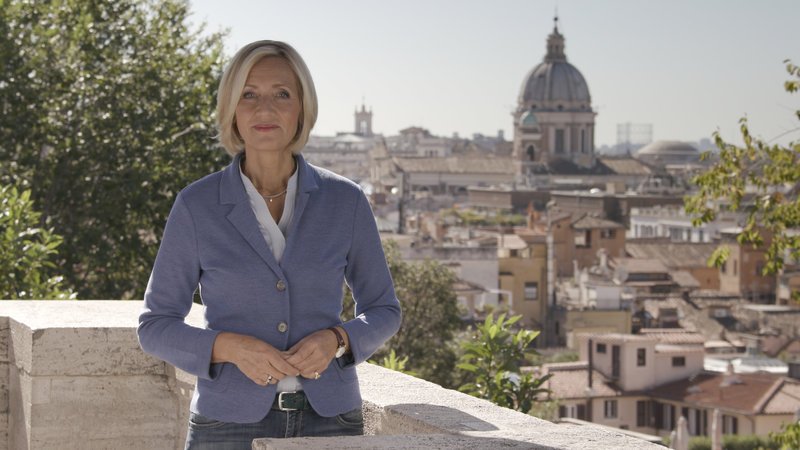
205, 433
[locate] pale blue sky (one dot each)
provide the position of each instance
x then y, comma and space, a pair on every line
688, 67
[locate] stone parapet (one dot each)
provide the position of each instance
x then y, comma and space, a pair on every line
72, 375
405, 412
75, 377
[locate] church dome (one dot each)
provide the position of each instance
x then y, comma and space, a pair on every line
663, 153
669, 148
555, 81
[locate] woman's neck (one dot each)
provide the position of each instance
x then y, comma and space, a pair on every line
269, 172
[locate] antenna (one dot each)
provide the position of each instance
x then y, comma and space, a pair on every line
555, 19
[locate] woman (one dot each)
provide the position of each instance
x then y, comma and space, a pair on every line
269, 241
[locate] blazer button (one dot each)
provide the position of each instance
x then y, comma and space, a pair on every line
281, 285
282, 327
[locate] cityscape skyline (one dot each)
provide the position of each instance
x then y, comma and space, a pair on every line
457, 67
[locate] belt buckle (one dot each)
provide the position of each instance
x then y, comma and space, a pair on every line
280, 401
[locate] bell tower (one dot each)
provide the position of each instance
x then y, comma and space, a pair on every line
363, 121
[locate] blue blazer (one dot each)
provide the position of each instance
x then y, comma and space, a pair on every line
212, 240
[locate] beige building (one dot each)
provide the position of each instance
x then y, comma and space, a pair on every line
592, 234
523, 273
646, 382
593, 321
579, 239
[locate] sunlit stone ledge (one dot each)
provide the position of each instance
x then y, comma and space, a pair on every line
72, 376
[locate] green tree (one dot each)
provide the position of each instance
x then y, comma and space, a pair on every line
773, 172
492, 359
26, 250
106, 113
789, 436
430, 316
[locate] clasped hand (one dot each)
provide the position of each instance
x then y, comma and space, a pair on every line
264, 364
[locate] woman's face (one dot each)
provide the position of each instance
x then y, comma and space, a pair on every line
269, 108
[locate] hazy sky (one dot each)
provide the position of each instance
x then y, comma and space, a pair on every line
688, 67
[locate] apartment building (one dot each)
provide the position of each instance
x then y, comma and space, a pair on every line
646, 382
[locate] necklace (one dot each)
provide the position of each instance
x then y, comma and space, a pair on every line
273, 196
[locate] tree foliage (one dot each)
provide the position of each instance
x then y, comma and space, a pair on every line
789, 436
772, 173
492, 360
430, 316
106, 113
26, 250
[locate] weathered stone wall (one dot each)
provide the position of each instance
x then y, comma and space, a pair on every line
4, 388
78, 379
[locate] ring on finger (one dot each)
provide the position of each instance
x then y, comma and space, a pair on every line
269, 379
317, 375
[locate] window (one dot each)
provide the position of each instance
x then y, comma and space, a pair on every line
641, 357
601, 348
615, 361
559, 141
735, 268
642, 410
532, 291
581, 412
678, 361
610, 409
583, 140
720, 313
730, 424
724, 268
608, 234
759, 269
583, 239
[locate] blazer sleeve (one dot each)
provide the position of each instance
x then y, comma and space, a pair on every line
168, 299
378, 313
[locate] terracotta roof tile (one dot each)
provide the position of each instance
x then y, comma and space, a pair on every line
745, 393
571, 380
589, 222
672, 255
457, 165
640, 265
785, 401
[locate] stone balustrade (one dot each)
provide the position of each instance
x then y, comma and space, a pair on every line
72, 376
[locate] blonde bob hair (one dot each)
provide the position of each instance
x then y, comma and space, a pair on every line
232, 84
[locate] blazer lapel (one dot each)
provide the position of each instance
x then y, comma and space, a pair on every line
307, 183
241, 216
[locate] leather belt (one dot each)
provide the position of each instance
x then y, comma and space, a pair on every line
291, 401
